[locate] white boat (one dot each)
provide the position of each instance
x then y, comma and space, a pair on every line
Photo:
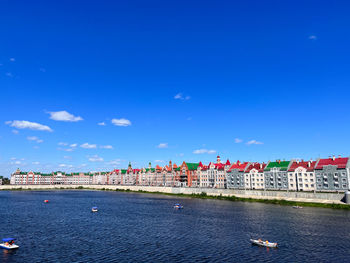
178, 206
297, 207
266, 243
94, 209
8, 243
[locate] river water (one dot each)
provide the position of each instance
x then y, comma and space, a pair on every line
132, 227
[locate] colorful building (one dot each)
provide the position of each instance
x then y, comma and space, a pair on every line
332, 174
235, 175
275, 174
301, 175
254, 176
189, 174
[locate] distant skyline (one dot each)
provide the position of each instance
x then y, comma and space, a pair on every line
90, 86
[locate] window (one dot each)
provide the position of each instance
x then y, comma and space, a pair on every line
306, 185
291, 185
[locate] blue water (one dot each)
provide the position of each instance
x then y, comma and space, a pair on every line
145, 228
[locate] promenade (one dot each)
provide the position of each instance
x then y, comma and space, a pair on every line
325, 198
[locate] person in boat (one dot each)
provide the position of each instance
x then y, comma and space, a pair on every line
12, 242
6, 243
260, 240
266, 242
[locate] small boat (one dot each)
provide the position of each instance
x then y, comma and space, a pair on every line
94, 209
46, 201
297, 207
266, 243
178, 206
8, 243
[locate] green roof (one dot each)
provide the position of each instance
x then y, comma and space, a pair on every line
152, 169
177, 169
283, 165
192, 166
123, 171
46, 174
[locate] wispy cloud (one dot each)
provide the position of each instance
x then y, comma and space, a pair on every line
110, 147
15, 131
202, 151
35, 139
36, 163
95, 158
162, 145
101, 123
88, 146
254, 142
12, 59
313, 37
73, 145
115, 162
64, 116
121, 122
180, 96
9, 74
237, 140
159, 161
62, 143
28, 125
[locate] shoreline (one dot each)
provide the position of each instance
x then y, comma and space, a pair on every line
202, 195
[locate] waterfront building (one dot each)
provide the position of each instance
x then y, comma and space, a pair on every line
276, 177
189, 174
301, 175
100, 178
235, 175
115, 177
78, 178
332, 174
254, 176
213, 175
1, 180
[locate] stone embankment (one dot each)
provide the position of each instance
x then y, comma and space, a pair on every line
325, 198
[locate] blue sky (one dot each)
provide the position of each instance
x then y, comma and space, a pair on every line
187, 80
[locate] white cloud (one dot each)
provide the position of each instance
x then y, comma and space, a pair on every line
13, 158
202, 151
73, 145
63, 143
28, 125
64, 116
68, 150
101, 123
159, 161
237, 140
115, 162
121, 122
88, 146
180, 96
35, 163
62, 165
15, 131
95, 158
313, 37
162, 145
12, 59
106, 147
67, 157
254, 142
9, 74
35, 139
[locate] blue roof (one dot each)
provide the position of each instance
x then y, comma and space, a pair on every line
8, 239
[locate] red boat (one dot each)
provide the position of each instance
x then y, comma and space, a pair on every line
46, 201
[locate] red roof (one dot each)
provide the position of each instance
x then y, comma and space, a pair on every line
238, 165
310, 165
257, 166
339, 162
227, 162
